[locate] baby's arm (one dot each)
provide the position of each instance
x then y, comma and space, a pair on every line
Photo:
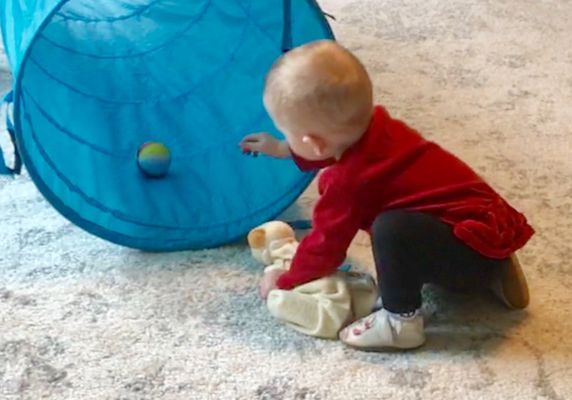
266, 144
336, 221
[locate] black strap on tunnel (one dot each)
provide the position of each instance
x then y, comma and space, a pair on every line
17, 167
287, 27
287, 42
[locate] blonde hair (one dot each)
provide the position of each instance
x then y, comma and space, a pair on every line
320, 87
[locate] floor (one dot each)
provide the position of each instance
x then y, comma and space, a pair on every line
488, 79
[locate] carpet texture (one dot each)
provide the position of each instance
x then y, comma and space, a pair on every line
489, 79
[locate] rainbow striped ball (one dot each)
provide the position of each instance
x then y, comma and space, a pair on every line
154, 159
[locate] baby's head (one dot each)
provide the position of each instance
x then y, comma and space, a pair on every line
320, 96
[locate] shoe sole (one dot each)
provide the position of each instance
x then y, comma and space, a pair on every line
386, 349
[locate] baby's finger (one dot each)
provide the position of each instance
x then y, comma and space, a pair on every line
247, 145
250, 140
254, 147
254, 137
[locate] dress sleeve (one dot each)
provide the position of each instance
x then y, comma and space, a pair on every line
336, 222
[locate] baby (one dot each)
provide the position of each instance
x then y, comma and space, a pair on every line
431, 218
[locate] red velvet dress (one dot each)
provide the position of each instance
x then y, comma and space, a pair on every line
394, 167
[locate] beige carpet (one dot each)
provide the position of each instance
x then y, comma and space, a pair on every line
489, 79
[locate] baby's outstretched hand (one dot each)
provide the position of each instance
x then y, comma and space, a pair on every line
268, 282
266, 144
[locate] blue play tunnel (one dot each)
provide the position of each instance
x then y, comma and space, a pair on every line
96, 79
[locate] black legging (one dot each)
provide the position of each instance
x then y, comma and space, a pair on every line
412, 248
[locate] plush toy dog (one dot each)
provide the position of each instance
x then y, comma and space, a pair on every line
319, 308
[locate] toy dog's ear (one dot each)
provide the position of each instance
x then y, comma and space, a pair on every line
257, 238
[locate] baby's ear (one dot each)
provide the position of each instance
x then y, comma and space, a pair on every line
317, 144
257, 238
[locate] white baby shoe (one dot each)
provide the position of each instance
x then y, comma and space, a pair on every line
383, 330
